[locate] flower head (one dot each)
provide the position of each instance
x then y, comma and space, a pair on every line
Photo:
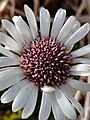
43, 62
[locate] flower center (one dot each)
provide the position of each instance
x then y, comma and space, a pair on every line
46, 62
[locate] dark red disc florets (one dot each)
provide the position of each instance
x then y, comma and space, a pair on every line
46, 62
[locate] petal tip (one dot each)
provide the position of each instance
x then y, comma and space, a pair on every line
87, 26
64, 11
42, 8
2, 100
3, 20
25, 6
15, 18
14, 108
24, 116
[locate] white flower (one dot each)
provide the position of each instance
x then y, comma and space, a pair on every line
43, 62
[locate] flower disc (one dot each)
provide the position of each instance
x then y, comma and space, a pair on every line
46, 62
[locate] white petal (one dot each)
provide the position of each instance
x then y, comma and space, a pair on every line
31, 103
11, 93
74, 102
81, 60
8, 69
80, 73
48, 89
32, 21
44, 22
9, 42
13, 31
6, 61
7, 52
23, 28
45, 107
22, 97
81, 51
58, 114
7, 47
81, 67
78, 35
75, 27
58, 22
71, 90
10, 77
66, 28
79, 85
65, 105
5, 68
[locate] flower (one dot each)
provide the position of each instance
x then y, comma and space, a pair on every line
43, 62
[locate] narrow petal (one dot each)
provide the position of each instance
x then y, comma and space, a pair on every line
75, 27
6, 61
65, 105
44, 22
13, 32
31, 103
80, 73
58, 114
66, 28
58, 22
74, 102
45, 107
9, 42
78, 35
81, 60
81, 67
10, 77
4, 68
7, 52
31, 20
23, 28
12, 92
22, 97
79, 85
81, 51
71, 90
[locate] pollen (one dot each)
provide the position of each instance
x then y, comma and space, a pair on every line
46, 62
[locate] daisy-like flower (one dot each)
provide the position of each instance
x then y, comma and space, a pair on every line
43, 62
